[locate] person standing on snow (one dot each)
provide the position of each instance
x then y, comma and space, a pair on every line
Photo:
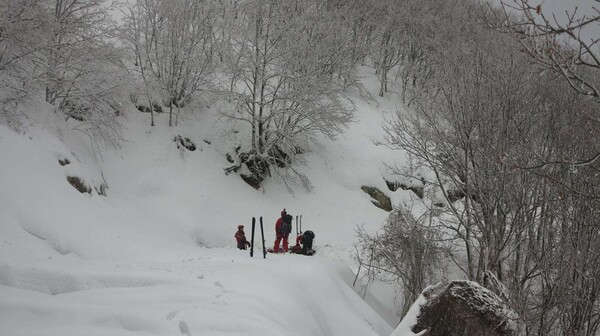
240, 237
283, 227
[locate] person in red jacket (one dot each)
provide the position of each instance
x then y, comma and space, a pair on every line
240, 237
280, 235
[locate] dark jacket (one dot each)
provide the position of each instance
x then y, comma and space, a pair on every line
278, 225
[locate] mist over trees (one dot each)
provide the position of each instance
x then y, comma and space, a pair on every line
502, 114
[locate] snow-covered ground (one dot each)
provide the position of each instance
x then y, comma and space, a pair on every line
158, 257
207, 291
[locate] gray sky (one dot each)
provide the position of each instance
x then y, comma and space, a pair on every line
580, 7
584, 7
560, 8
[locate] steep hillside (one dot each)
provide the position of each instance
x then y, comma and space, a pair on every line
158, 250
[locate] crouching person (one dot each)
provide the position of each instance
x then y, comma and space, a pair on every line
304, 243
307, 242
240, 237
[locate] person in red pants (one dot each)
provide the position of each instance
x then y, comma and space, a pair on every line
283, 227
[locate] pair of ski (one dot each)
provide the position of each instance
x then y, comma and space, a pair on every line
262, 233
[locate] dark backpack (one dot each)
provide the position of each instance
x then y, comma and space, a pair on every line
286, 226
308, 236
307, 242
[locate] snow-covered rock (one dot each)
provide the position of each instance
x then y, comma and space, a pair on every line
459, 308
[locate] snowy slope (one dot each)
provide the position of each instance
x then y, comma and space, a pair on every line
156, 256
206, 292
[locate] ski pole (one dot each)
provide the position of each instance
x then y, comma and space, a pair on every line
252, 239
262, 232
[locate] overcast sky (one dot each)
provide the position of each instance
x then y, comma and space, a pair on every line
584, 7
560, 8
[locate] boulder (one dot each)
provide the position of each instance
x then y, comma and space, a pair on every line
464, 308
145, 108
79, 184
83, 187
252, 180
394, 185
380, 199
63, 161
184, 143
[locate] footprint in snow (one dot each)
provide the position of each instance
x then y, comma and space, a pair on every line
223, 291
184, 329
171, 315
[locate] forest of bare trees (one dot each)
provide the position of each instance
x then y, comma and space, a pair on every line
512, 151
502, 115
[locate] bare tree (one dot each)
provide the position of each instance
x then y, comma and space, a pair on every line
79, 30
498, 137
408, 250
382, 22
23, 28
287, 85
22, 33
62, 47
557, 42
172, 44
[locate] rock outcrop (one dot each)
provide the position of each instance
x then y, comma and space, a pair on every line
464, 308
380, 199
